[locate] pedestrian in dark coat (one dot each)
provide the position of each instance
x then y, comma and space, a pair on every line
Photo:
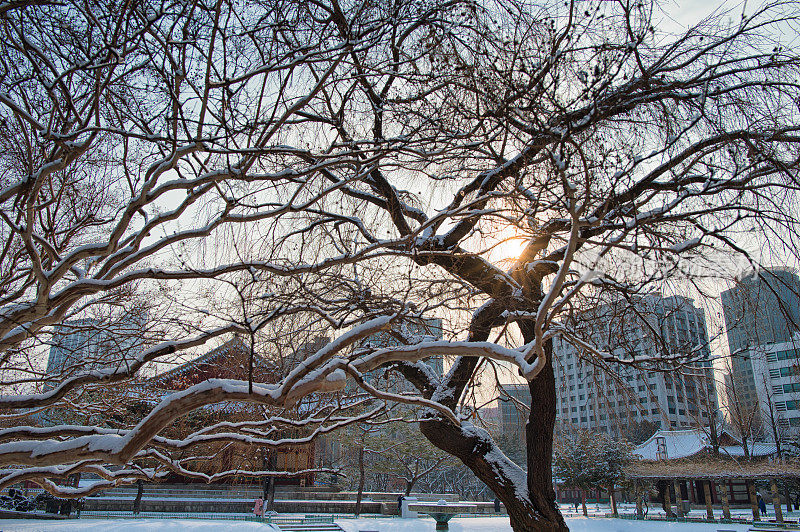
762, 506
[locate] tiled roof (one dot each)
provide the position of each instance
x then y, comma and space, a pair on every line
230, 346
674, 444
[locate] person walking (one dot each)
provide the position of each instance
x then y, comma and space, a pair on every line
762, 506
258, 508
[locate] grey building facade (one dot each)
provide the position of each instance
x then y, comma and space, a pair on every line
613, 398
761, 309
89, 343
675, 389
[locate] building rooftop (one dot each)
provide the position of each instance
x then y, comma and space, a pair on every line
676, 444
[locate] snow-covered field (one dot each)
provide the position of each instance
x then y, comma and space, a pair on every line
500, 524
474, 524
133, 525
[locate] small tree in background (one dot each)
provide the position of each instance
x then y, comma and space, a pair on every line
591, 460
411, 458
639, 431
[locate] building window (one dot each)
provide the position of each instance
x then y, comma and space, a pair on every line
789, 371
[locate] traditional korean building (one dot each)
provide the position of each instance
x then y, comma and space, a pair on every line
686, 460
232, 361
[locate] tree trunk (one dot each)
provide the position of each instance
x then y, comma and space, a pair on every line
678, 499
535, 511
663, 490
612, 498
726, 507
776, 501
478, 452
270, 502
583, 503
638, 495
360, 480
539, 438
714, 437
751, 491
137, 502
268, 487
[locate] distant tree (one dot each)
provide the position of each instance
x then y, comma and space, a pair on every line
591, 460
742, 415
637, 432
408, 456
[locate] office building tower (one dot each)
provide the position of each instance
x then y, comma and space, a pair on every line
676, 389
760, 310
83, 344
776, 372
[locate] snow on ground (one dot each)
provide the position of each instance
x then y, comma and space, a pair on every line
654, 509
133, 525
582, 524
500, 524
471, 524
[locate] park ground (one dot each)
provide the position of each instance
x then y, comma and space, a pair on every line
596, 522
476, 524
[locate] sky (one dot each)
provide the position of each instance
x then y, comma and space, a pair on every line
685, 12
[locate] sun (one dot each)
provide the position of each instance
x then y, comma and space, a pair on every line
509, 249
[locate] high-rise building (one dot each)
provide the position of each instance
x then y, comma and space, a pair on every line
760, 310
73, 342
616, 398
776, 371
88, 343
514, 402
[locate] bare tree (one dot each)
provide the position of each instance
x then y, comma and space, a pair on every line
743, 416
367, 163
